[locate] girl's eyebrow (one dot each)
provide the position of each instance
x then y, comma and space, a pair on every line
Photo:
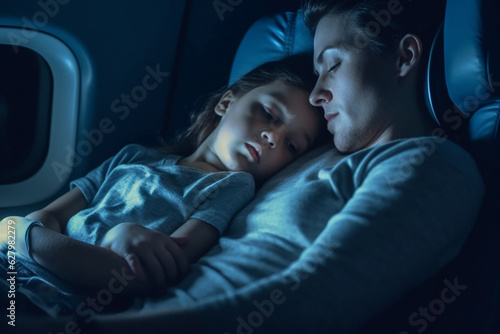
279, 105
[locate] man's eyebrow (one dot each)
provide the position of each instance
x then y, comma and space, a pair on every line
319, 58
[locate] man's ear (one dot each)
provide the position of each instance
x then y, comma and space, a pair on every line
409, 54
224, 102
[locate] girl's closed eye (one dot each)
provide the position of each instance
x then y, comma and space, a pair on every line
266, 113
334, 68
291, 146
274, 120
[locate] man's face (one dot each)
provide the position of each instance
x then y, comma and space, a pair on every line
355, 85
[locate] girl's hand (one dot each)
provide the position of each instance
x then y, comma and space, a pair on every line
150, 254
14, 234
4, 232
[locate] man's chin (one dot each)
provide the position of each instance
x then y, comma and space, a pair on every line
344, 147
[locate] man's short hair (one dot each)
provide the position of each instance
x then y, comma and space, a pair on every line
383, 23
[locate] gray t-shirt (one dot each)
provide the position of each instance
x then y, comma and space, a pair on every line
144, 186
335, 240
137, 185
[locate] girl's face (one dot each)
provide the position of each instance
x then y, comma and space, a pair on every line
265, 129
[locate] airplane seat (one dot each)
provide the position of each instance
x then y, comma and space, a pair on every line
472, 73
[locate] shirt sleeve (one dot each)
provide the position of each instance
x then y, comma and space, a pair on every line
412, 208
224, 198
92, 182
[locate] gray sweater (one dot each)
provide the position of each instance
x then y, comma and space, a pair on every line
330, 241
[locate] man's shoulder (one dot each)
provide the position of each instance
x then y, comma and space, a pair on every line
424, 159
425, 156
419, 148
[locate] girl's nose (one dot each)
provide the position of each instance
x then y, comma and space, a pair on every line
320, 95
270, 137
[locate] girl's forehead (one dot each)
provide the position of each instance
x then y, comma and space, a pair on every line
280, 89
285, 95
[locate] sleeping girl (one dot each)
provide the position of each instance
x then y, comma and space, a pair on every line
146, 214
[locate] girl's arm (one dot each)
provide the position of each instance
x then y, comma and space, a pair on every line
69, 258
158, 255
85, 265
80, 263
55, 215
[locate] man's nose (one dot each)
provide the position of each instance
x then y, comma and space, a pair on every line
320, 95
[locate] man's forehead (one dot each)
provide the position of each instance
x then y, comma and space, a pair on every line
332, 32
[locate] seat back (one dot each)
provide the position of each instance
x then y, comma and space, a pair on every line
272, 38
471, 43
472, 72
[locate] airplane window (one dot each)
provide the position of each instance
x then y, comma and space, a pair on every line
25, 110
39, 98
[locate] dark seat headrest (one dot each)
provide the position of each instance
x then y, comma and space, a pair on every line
272, 38
472, 71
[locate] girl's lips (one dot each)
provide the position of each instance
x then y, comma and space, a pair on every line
253, 153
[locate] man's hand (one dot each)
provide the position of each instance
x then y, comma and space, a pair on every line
152, 256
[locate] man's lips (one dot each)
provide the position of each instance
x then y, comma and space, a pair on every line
330, 117
253, 152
